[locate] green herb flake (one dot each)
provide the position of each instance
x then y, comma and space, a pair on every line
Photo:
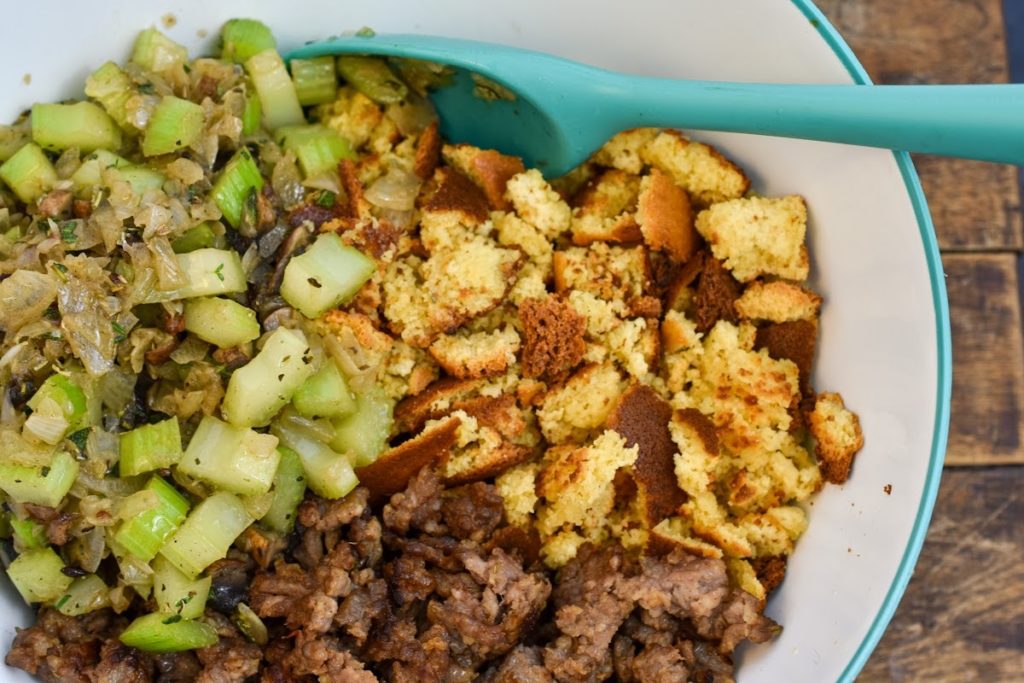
79, 438
326, 199
173, 619
63, 601
219, 272
120, 334
68, 231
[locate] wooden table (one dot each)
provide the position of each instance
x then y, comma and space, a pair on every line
962, 617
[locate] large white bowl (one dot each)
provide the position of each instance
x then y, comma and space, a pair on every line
885, 329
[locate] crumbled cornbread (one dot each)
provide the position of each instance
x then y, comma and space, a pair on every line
479, 354
611, 273
837, 436
706, 175
624, 150
606, 210
573, 410
778, 301
538, 204
758, 236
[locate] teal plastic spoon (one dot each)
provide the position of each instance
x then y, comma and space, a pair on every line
564, 110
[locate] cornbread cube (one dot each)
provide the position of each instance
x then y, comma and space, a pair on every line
453, 212
665, 217
479, 354
677, 532
608, 272
423, 299
758, 236
601, 316
553, 337
578, 490
538, 204
490, 170
438, 399
391, 472
479, 452
635, 345
777, 301
406, 371
605, 210
513, 231
623, 151
571, 411
837, 436
358, 336
518, 489
353, 115
700, 169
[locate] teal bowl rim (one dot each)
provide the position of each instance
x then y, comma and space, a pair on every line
941, 305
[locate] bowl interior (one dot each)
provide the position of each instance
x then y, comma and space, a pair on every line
884, 338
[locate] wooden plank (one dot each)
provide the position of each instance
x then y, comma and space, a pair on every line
988, 375
975, 205
962, 617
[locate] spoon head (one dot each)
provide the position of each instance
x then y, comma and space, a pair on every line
480, 105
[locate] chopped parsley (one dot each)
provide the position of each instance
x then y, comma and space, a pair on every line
68, 231
219, 272
79, 438
326, 199
173, 619
63, 601
120, 334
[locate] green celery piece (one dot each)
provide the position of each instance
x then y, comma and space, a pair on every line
173, 125
150, 447
317, 147
364, 434
111, 87
275, 89
168, 633
243, 38
141, 178
325, 276
156, 52
28, 533
235, 459
29, 173
222, 322
144, 534
329, 474
315, 80
176, 593
207, 533
373, 77
83, 125
40, 485
257, 390
325, 394
68, 395
38, 575
289, 490
84, 595
90, 173
200, 237
252, 115
208, 272
239, 179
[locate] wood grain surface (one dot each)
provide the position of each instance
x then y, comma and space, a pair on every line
962, 617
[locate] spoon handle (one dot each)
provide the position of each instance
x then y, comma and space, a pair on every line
974, 121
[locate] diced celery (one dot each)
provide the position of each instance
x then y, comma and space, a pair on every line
235, 459
200, 237
317, 147
364, 434
326, 275
315, 80
141, 178
207, 533
111, 87
328, 473
208, 272
373, 77
222, 322
168, 633
145, 533
37, 575
176, 593
83, 125
28, 534
156, 52
325, 394
243, 38
29, 173
236, 183
40, 485
174, 124
150, 447
275, 89
68, 395
257, 390
289, 489
84, 595
251, 115
90, 173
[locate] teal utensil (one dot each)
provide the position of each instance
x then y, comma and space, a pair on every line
564, 110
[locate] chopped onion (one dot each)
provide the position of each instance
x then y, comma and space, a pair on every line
320, 430
359, 370
403, 220
168, 272
396, 190
137, 503
412, 114
287, 181
46, 423
115, 389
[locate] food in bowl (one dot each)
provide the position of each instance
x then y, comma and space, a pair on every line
341, 400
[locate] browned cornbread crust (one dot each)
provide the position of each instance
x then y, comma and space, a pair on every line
553, 337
